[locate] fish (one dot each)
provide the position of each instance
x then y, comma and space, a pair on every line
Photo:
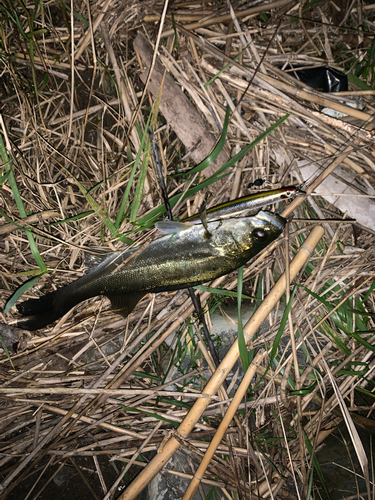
182, 259
247, 203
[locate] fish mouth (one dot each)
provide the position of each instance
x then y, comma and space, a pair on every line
274, 219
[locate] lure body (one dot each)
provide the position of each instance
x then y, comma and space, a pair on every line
187, 258
246, 203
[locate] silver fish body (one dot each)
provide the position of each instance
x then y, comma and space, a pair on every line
174, 261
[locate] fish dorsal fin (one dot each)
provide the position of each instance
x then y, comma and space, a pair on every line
125, 303
171, 226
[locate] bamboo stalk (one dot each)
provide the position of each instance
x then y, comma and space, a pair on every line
213, 385
198, 476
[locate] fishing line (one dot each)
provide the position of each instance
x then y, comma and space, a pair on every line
258, 66
159, 171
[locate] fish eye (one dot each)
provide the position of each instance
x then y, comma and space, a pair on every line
260, 234
289, 193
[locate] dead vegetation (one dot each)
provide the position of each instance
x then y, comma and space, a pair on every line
94, 391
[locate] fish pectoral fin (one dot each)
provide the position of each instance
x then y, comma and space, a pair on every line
125, 303
203, 216
92, 261
171, 226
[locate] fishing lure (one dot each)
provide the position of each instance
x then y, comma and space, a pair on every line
246, 203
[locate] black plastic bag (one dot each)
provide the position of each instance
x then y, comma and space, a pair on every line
323, 78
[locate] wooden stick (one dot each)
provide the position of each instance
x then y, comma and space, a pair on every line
213, 385
191, 128
95, 391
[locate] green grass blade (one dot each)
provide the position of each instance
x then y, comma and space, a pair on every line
250, 146
363, 391
6, 351
143, 172
309, 485
227, 66
138, 195
17, 294
269, 461
99, 211
276, 362
145, 375
124, 201
72, 219
151, 414
8, 164
326, 329
357, 81
279, 334
355, 373
3, 178
343, 327
281, 329
244, 353
316, 464
304, 391
175, 402
77, 15
151, 217
362, 341
369, 292
107, 221
335, 316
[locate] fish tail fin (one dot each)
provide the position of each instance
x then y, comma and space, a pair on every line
43, 311
36, 306
50, 307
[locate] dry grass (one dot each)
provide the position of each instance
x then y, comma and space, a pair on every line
73, 113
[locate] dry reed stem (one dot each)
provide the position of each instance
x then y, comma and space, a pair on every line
228, 17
